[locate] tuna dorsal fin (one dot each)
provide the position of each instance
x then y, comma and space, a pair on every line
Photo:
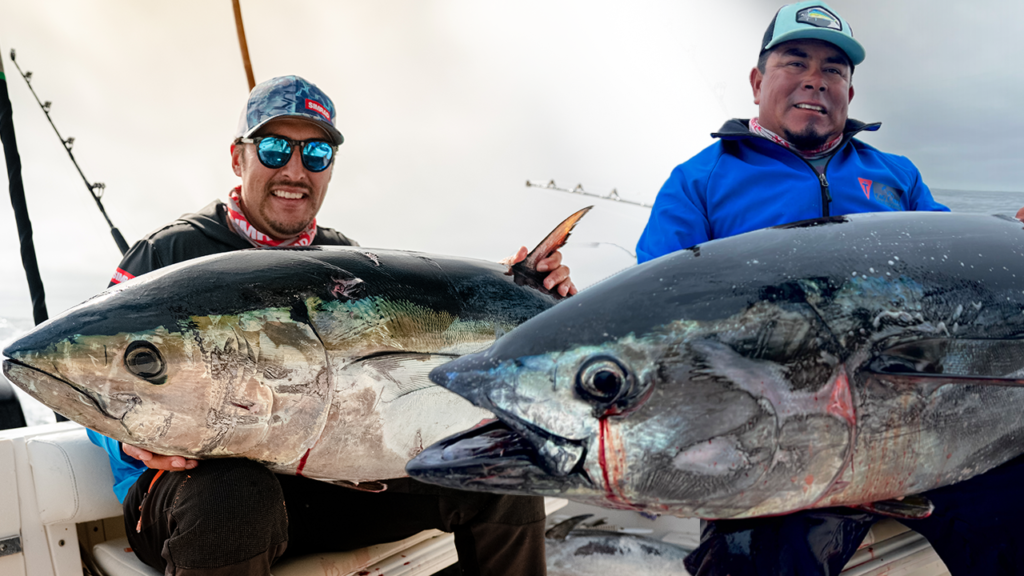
561, 530
913, 507
526, 273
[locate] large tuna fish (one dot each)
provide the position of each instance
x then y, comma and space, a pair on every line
313, 361
829, 362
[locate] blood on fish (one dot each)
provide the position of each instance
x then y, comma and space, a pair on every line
302, 463
603, 445
841, 401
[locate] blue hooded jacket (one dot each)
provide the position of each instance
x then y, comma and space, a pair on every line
745, 182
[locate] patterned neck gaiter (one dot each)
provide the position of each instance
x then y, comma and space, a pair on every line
258, 239
819, 152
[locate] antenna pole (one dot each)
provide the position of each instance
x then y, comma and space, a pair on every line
243, 44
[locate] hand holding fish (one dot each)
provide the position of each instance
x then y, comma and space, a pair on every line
559, 275
159, 461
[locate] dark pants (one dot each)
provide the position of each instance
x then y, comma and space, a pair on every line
974, 529
235, 517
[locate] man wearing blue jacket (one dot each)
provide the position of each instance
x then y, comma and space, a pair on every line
799, 159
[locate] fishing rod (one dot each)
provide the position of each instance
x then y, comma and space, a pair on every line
613, 195
68, 144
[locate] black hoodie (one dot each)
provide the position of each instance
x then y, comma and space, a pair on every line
199, 234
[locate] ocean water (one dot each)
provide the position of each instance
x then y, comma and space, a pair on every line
979, 202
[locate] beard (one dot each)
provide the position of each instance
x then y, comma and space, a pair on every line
283, 228
280, 227
809, 139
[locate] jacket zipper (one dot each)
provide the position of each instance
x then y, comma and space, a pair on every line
826, 196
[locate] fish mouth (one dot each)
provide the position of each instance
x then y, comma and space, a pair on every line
468, 377
493, 458
64, 397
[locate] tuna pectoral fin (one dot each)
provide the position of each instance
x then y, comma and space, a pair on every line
400, 373
998, 362
927, 378
909, 508
373, 486
526, 273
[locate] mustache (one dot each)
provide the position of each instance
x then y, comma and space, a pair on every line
290, 184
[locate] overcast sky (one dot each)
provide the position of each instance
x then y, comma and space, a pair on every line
449, 106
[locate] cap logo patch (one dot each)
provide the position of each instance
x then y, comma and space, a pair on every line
318, 108
820, 17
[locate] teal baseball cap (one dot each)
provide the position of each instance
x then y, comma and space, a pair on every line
812, 20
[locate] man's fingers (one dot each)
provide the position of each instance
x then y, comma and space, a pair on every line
552, 262
561, 274
159, 461
136, 452
516, 258
172, 463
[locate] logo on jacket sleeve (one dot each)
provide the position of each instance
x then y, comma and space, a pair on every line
120, 276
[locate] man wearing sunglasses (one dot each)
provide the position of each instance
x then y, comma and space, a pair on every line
225, 517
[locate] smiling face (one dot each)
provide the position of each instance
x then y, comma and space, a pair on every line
804, 92
281, 202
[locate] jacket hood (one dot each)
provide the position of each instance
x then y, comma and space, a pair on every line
212, 221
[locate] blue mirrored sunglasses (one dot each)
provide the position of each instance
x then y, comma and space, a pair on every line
276, 151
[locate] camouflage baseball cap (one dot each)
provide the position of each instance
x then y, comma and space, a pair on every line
288, 97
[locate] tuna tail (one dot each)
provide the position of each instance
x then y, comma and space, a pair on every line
561, 530
525, 272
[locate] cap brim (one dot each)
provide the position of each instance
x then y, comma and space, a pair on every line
854, 51
332, 133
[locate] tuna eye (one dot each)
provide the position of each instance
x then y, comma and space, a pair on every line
602, 380
143, 360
